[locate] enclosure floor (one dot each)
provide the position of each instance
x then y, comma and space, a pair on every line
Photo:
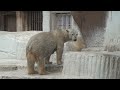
21, 74
16, 69
8, 71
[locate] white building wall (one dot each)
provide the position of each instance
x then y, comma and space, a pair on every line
112, 35
46, 21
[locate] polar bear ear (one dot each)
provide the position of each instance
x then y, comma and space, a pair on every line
67, 30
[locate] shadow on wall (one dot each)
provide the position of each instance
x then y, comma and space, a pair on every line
92, 25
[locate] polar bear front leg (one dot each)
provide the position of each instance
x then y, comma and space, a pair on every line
59, 53
47, 60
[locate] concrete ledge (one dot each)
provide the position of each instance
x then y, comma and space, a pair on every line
101, 65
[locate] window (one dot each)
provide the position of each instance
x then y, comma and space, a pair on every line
34, 20
63, 21
8, 21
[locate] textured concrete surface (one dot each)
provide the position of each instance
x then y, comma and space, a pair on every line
92, 26
97, 65
16, 69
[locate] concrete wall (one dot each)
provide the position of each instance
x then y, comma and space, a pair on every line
13, 44
92, 25
7, 46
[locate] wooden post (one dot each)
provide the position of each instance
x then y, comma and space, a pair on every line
25, 21
2, 23
20, 20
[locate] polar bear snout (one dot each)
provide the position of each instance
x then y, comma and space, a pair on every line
75, 39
